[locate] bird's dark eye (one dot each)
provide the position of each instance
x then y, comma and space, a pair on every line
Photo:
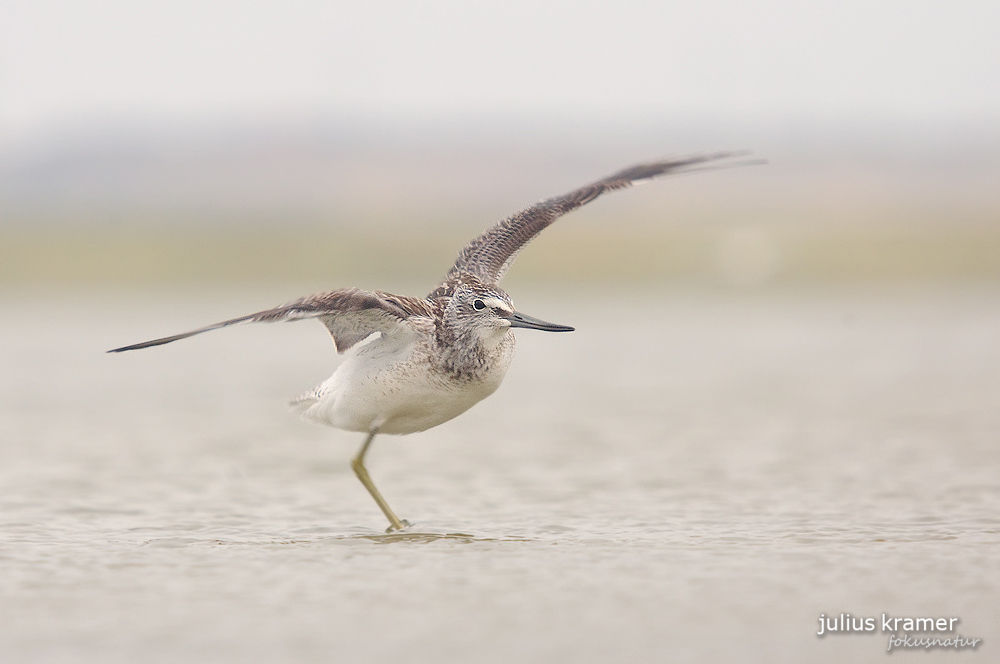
479, 304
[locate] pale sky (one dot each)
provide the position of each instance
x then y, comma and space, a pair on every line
66, 63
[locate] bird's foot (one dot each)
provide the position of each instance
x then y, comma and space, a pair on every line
403, 524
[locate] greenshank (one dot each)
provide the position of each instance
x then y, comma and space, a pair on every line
414, 363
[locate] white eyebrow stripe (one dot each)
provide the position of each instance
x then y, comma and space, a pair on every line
497, 303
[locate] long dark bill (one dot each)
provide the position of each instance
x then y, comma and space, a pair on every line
517, 319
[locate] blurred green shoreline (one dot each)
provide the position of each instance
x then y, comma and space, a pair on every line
628, 252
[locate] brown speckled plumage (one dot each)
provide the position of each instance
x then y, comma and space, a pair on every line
489, 256
349, 312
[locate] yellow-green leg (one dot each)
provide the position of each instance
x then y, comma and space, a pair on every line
358, 464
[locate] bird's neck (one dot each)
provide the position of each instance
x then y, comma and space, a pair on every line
471, 354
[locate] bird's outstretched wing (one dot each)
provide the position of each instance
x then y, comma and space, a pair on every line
489, 256
349, 313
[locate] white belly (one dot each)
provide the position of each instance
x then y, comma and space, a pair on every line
397, 392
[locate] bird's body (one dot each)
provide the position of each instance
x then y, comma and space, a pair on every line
410, 378
414, 363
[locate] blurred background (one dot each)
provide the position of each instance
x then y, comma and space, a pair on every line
780, 401
316, 142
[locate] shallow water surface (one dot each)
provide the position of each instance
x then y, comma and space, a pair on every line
690, 476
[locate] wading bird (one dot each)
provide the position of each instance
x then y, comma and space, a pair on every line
414, 363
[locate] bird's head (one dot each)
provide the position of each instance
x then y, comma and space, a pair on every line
489, 311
